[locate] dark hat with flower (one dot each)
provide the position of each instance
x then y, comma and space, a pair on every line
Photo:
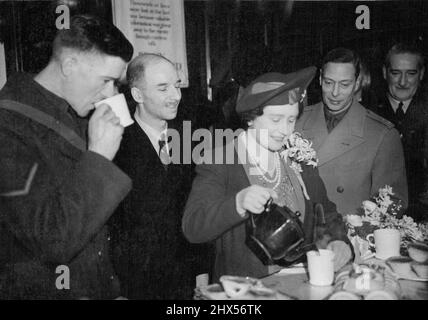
275, 88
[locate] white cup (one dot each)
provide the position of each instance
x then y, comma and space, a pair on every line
118, 104
321, 267
386, 242
202, 280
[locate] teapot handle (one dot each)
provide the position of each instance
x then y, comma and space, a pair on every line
268, 204
267, 209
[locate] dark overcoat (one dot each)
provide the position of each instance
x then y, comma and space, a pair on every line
414, 135
360, 155
55, 200
211, 215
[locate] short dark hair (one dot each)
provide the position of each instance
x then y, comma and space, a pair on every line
250, 116
365, 77
89, 33
342, 55
409, 48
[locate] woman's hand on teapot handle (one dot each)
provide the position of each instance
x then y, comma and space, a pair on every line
253, 199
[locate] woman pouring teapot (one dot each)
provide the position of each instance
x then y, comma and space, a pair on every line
227, 194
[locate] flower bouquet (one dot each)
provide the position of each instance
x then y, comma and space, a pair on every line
384, 212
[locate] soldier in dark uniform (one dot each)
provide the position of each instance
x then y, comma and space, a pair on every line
406, 105
57, 187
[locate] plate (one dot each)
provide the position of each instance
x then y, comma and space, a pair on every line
411, 278
380, 258
377, 257
372, 279
406, 272
211, 292
296, 269
216, 292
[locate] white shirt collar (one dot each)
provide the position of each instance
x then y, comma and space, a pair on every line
394, 103
153, 134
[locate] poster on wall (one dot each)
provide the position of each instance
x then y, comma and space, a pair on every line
155, 26
2, 66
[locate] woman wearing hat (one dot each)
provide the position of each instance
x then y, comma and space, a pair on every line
224, 194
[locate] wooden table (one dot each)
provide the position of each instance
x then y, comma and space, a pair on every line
298, 287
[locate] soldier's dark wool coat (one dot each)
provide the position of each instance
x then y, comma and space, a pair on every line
55, 200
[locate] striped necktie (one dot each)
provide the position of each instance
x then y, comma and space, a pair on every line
400, 112
399, 116
163, 150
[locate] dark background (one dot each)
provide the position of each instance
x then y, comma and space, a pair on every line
246, 38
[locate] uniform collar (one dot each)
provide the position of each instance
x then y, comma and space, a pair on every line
24, 89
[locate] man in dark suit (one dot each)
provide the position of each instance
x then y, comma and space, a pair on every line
152, 257
406, 105
359, 151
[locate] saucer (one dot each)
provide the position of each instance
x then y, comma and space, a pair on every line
297, 268
402, 269
382, 258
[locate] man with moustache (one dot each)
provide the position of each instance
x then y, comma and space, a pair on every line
58, 184
358, 151
152, 258
406, 105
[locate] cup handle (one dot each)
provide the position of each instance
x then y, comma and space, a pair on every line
370, 240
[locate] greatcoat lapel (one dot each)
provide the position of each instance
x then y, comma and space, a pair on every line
348, 134
315, 129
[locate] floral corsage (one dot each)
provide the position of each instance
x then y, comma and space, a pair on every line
299, 150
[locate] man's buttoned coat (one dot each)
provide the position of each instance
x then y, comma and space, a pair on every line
360, 155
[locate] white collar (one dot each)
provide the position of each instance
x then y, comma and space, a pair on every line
153, 134
394, 103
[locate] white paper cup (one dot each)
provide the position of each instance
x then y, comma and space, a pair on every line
118, 104
321, 267
202, 280
387, 243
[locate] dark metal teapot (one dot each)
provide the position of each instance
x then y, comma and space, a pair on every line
276, 236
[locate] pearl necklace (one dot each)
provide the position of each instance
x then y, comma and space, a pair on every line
263, 173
